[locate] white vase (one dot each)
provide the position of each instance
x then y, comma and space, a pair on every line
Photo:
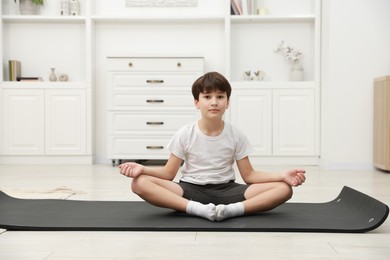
296, 72
52, 76
27, 7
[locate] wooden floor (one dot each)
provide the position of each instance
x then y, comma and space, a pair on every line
103, 182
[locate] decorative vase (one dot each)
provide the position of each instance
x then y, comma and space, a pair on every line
53, 76
27, 7
296, 72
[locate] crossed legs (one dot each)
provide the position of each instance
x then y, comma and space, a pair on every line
167, 194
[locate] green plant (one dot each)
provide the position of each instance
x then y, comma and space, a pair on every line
37, 2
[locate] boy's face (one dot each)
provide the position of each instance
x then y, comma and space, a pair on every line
212, 104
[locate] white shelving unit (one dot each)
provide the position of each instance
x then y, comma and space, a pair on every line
61, 133
230, 44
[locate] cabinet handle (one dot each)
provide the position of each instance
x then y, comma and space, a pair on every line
153, 147
130, 64
178, 65
154, 101
154, 123
154, 81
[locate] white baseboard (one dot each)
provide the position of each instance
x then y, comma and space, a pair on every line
348, 166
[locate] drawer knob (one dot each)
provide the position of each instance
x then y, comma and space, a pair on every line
154, 123
154, 101
154, 147
130, 64
154, 81
178, 65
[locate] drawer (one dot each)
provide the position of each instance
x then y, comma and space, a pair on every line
120, 123
133, 101
138, 64
137, 148
120, 80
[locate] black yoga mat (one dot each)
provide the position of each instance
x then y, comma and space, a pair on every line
351, 211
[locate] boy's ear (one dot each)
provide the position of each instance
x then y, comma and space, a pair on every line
196, 103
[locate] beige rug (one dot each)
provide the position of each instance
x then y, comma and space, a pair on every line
57, 193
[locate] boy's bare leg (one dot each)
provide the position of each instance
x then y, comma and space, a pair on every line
167, 194
161, 193
266, 196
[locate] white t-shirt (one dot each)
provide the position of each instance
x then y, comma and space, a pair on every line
209, 159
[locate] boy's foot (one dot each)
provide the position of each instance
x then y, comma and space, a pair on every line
229, 211
201, 210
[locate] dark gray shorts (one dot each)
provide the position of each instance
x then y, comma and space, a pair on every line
225, 193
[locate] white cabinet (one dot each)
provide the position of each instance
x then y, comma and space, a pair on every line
294, 125
279, 116
23, 122
149, 99
65, 122
251, 111
277, 121
44, 122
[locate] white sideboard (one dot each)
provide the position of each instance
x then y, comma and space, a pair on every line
280, 120
148, 100
43, 121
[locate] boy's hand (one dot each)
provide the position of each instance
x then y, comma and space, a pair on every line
294, 177
132, 170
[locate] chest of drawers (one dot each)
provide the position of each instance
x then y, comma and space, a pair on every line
149, 99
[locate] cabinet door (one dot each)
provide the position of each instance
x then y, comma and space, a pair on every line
294, 122
251, 113
23, 125
65, 122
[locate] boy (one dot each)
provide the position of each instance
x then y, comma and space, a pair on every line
209, 148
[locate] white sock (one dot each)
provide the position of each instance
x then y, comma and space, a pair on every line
201, 210
229, 211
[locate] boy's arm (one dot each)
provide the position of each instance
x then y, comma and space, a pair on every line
293, 177
166, 172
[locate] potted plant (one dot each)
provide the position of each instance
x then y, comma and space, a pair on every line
29, 6
293, 56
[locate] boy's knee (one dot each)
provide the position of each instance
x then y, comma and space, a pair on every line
287, 189
138, 183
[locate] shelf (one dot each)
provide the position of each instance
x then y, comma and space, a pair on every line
41, 18
42, 84
160, 19
271, 18
274, 85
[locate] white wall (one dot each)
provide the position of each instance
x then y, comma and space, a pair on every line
356, 49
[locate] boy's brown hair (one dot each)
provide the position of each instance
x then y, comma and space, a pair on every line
210, 82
